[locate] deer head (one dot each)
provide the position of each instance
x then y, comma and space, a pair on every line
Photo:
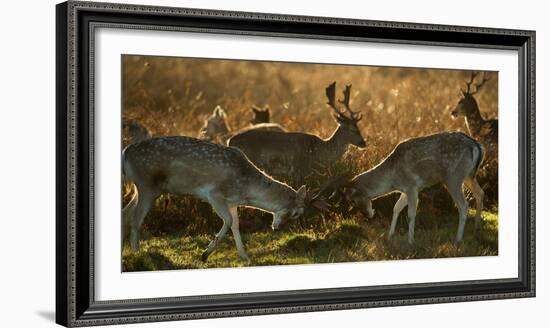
348, 119
333, 184
215, 125
292, 211
359, 200
467, 105
309, 199
260, 115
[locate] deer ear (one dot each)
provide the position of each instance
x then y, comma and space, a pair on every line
220, 112
301, 195
255, 109
266, 109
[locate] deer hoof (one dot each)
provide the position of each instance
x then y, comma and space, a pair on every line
204, 256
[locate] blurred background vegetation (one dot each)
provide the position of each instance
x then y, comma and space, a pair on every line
174, 96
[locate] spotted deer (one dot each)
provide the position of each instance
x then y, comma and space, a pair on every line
451, 158
216, 129
217, 174
467, 107
297, 154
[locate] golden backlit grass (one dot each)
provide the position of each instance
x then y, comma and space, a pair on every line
173, 96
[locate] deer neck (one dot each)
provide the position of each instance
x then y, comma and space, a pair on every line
270, 195
377, 181
335, 146
474, 121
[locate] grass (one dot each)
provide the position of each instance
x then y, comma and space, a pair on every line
173, 96
344, 240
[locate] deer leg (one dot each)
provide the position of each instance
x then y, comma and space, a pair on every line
455, 190
220, 207
128, 212
237, 233
143, 206
398, 207
478, 193
412, 204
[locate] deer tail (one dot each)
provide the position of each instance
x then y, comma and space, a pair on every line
478, 155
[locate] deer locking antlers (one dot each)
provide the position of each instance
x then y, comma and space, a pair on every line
334, 183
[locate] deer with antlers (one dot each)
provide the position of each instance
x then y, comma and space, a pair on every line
216, 129
478, 127
217, 174
297, 154
451, 158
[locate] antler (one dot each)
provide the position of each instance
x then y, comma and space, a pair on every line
333, 183
330, 91
469, 83
477, 86
480, 84
345, 102
331, 96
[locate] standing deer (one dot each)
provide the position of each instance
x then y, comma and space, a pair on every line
479, 128
296, 154
217, 174
216, 129
451, 158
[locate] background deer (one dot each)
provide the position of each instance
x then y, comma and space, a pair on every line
451, 158
134, 131
260, 115
479, 128
216, 129
219, 175
296, 154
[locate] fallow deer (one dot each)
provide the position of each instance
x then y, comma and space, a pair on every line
451, 158
134, 131
217, 174
483, 130
216, 129
297, 154
260, 115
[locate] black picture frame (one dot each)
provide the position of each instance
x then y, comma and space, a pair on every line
75, 303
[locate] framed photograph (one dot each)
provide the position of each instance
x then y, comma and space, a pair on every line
214, 163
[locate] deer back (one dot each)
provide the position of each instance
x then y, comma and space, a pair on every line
185, 165
423, 161
277, 152
437, 157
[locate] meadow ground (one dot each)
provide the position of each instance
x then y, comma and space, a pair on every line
173, 96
